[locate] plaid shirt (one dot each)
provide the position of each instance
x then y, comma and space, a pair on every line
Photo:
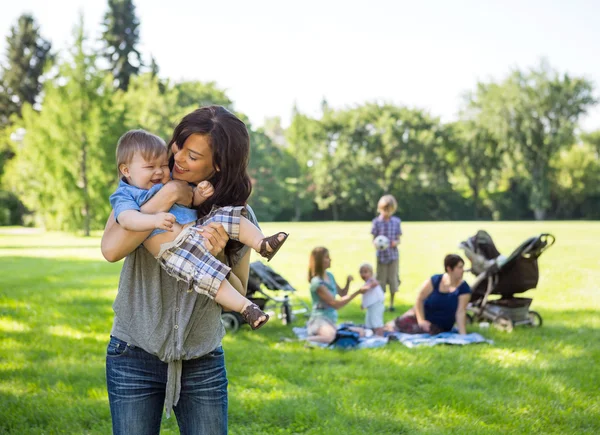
390, 229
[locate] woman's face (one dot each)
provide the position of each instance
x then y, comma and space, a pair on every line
194, 161
457, 273
326, 261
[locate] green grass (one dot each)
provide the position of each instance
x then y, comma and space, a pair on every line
55, 316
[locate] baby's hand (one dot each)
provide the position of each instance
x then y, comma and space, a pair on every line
202, 192
164, 221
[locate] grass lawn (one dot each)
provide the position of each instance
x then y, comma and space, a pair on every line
56, 293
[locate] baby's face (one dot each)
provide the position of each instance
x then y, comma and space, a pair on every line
365, 273
145, 174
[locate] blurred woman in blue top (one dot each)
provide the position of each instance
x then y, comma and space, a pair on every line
323, 289
441, 303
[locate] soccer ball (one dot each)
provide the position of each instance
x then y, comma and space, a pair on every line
381, 243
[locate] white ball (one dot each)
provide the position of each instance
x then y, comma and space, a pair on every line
381, 243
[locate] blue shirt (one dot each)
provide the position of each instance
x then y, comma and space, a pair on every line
320, 308
128, 197
440, 308
390, 229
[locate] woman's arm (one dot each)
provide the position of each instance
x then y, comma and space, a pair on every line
461, 312
117, 242
425, 291
328, 298
344, 291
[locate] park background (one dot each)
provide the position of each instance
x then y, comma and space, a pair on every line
372, 100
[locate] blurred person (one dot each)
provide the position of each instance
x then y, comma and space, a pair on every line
388, 260
373, 300
442, 302
322, 324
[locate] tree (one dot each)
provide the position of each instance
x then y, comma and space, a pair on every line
593, 139
194, 94
477, 155
536, 114
301, 138
27, 54
121, 35
65, 168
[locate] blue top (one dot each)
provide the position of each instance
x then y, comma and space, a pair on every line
128, 197
320, 308
440, 308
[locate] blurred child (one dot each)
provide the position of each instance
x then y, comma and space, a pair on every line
373, 300
388, 225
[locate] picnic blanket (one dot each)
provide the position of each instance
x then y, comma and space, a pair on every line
409, 340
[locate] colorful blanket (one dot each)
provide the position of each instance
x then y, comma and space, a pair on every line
409, 340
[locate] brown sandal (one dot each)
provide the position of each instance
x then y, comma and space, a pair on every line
274, 243
252, 313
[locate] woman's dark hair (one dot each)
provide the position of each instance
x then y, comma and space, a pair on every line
230, 145
315, 262
451, 261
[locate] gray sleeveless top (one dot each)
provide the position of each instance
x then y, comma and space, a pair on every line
157, 313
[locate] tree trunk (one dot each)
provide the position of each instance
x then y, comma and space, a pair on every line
475, 192
86, 197
540, 214
540, 193
335, 211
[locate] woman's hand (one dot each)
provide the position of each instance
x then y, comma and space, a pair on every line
215, 237
350, 279
365, 288
425, 325
182, 193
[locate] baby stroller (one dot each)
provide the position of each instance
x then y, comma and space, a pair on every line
262, 280
504, 276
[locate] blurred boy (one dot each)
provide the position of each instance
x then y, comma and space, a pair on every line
388, 225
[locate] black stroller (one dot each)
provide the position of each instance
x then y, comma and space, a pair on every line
504, 276
261, 281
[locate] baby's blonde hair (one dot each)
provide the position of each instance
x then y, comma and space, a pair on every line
150, 145
366, 265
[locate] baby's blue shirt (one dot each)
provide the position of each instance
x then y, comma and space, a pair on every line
128, 197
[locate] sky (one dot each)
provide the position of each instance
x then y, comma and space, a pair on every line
270, 55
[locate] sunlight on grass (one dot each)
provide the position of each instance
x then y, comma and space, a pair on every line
10, 325
66, 331
56, 295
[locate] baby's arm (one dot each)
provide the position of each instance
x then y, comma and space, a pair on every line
134, 220
202, 192
118, 242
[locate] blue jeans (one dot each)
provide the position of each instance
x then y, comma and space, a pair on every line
136, 382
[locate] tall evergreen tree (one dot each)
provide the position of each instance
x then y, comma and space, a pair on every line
121, 35
26, 56
65, 169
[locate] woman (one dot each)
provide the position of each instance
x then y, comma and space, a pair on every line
321, 325
165, 347
442, 301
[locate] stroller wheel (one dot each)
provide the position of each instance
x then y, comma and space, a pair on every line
503, 323
535, 319
230, 321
